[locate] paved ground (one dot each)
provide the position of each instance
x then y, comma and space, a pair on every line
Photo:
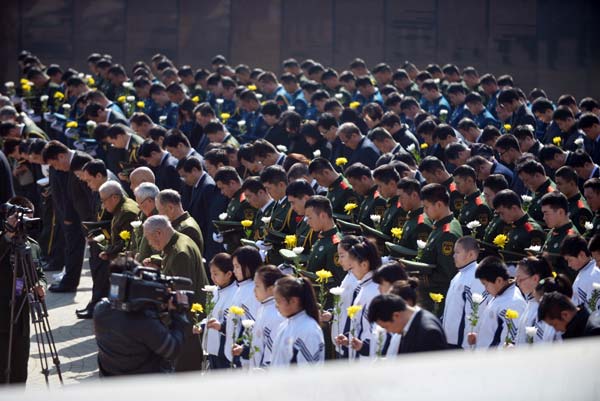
73, 337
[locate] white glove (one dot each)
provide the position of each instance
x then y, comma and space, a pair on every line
50, 117
385, 259
262, 246
71, 133
218, 237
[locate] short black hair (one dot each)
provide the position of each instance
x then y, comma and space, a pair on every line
273, 175
386, 173
530, 167
320, 204
227, 174
95, 167
319, 164
587, 120
496, 182
555, 200
358, 170
410, 186
52, 149
507, 142
490, 268
254, 185
390, 272
299, 189
383, 306
465, 171
553, 304
431, 164
435, 193
148, 147
190, 163
573, 245
580, 158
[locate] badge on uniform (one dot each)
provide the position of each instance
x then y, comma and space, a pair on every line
447, 247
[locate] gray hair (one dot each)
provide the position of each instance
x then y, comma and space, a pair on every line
146, 190
157, 222
8, 111
143, 174
110, 188
168, 196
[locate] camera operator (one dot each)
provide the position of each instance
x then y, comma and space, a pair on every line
21, 332
135, 342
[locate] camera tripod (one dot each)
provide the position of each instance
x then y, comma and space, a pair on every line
25, 280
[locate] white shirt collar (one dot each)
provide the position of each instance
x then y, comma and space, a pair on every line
407, 327
199, 179
469, 266
262, 209
128, 141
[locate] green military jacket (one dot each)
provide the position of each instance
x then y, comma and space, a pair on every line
305, 236
522, 234
474, 208
372, 204
258, 225
417, 227
535, 207
579, 212
126, 211
551, 249
496, 227
394, 216
238, 209
324, 255
456, 198
181, 257
142, 247
186, 224
340, 193
596, 226
439, 251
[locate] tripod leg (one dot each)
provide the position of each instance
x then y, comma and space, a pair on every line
13, 301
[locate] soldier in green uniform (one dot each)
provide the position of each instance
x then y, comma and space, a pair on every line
373, 204
339, 191
440, 244
387, 178
181, 257
283, 217
258, 198
591, 191
524, 231
145, 195
491, 186
417, 226
238, 209
534, 177
298, 192
579, 210
555, 208
434, 172
124, 211
168, 203
324, 252
474, 208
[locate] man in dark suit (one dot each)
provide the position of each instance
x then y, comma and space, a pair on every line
73, 203
572, 321
163, 165
357, 147
421, 330
205, 204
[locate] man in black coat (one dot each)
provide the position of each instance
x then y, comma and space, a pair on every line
560, 312
163, 165
421, 330
73, 204
205, 204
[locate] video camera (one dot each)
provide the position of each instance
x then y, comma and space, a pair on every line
22, 222
145, 288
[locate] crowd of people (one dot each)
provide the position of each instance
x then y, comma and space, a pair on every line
319, 215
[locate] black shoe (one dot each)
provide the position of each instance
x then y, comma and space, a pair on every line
85, 314
88, 306
61, 288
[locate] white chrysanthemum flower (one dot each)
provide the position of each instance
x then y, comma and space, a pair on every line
128, 85
210, 288
375, 218
9, 84
336, 291
531, 331
136, 224
66, 106
530, 127
91, 124
130, 99
241, 123
99, 238
411, 148
291, 108
339, 96
596, 286
526, 198
223, 216
477, 298
317, 153
298, 250
421, 244
44, 98
473, 224
259, 96
220, 101
534, 248
265, 219
579, 141
282, 148
248, 323
443, 112
162, 119
589, 225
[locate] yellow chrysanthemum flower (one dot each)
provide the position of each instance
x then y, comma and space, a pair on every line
340, 161
59, 95
140, 104
236, 310
501, 240
507, 127
557, 140
24, 81
26, 87
353, 310
125, 235
91, 81
424, 146
354, 105
196, 99
252, 87
290, 241
397, 232
72, 124
511, 314
197, 308
246, 223
349, 207
323, 276
225, 116
437, 298
122, 99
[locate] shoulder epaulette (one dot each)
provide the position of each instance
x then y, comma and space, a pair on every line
452, 187
528, 226
242, 197
335, 239
421, 219
343, 185
550, 189
398, 204
446, 228
580, 204
376, 194
478, 201
570, 231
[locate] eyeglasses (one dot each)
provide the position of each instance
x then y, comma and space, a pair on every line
103, 200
